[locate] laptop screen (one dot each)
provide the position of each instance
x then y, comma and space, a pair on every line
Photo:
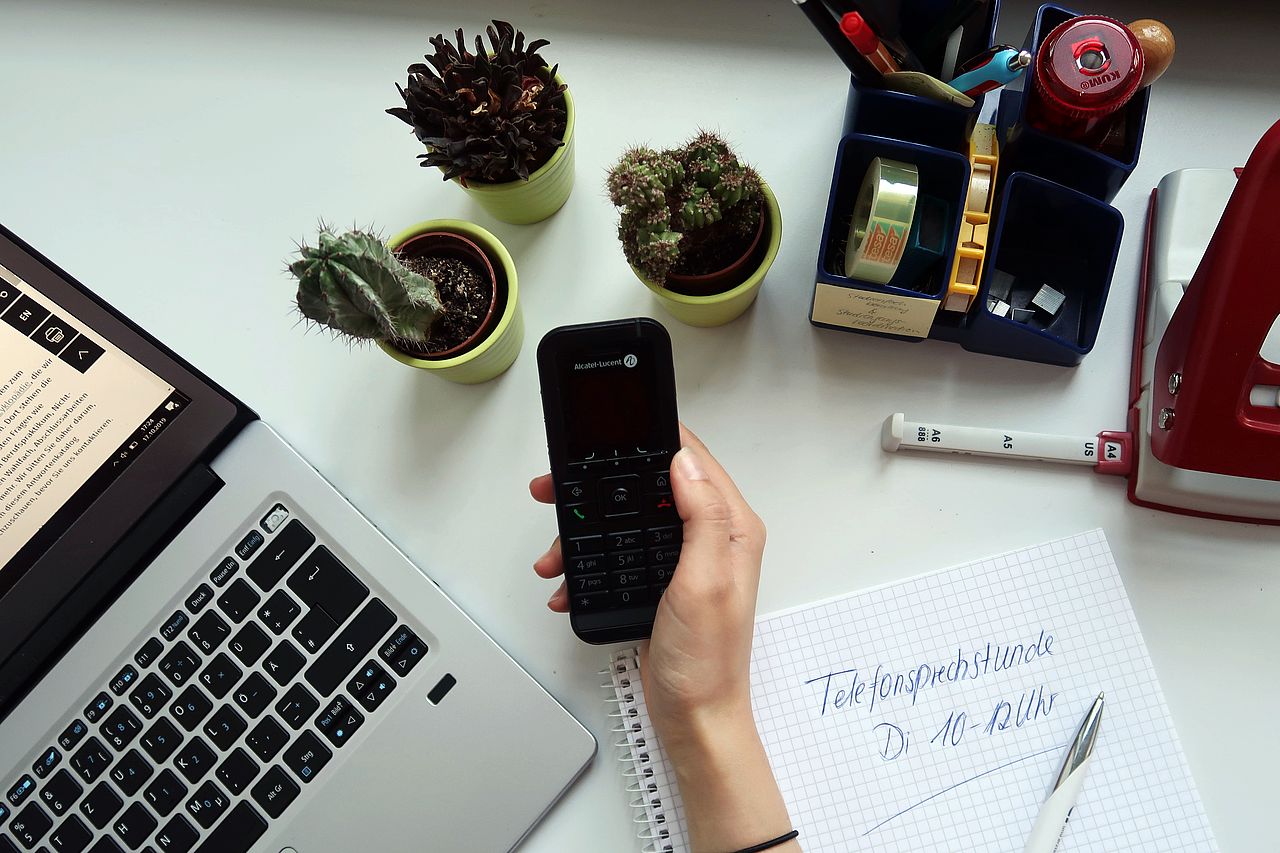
75, 412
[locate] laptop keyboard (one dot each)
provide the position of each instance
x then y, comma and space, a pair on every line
242, 697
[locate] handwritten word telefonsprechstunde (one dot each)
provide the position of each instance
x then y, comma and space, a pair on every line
887, 684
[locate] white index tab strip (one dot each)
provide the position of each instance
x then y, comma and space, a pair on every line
899, 433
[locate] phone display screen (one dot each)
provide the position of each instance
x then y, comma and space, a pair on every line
610, 403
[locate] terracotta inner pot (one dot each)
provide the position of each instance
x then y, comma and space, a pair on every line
734, 274
445, 244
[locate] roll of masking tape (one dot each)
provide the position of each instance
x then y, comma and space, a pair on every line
881, 220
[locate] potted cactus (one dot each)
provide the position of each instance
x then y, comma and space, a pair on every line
496, 120
441, 296
698, 227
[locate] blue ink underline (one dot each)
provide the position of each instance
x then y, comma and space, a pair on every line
958, 784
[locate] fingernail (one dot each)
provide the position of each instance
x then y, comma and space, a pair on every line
551, 599
690, 465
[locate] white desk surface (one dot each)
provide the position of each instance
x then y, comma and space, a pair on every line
169, 155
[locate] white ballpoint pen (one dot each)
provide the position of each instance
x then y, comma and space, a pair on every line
1056, 811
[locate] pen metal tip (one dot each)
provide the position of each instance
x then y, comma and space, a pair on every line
1101, 695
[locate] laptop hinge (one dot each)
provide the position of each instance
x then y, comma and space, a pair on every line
102, 586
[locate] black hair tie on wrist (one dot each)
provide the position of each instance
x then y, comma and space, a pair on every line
769, 845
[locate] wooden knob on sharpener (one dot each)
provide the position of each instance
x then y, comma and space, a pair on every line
1157, 48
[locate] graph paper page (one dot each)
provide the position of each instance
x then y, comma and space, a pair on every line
933, 714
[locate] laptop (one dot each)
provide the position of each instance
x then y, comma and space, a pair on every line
204, 647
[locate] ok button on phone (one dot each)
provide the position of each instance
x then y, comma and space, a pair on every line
620, 495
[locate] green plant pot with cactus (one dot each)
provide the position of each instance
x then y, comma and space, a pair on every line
699, 228
441, 296
498, 121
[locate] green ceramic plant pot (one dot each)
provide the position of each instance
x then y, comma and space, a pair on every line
719, 308
493, 355
546, 191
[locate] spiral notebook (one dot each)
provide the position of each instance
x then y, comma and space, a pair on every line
933, 714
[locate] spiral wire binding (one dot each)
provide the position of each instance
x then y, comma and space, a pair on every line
632, 752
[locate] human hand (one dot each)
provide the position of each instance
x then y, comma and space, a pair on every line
696, 667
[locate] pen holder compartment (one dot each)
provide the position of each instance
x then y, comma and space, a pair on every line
904, 307
881, 112
1099, 173
1045, 234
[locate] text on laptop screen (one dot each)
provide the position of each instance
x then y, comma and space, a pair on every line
75, 411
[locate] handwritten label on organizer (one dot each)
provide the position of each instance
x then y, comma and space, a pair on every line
873, 312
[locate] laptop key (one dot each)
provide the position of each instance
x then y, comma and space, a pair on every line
279, 612
72, 837
199, 599
238, 831
220, 675
31, 824
177, 836
207, 804
284, 662
297, 706
237, 771
323, 581
100, 805
275, 792
277, 558
224, 727
72, 735
249, 644
91, 760
314, 630
307, 756
124, 680
7, 846
251, 542
179, 665
150, 695
209, 632
121, 727
95, 710
339, 721
194, 760
238, 601
350, 648
161, 740
23, 788
106, 844
130, 772
267, 739
134, 826
174, 626
371, 686
224, 572
61, 792
165, 793
191, 707
254, 695
147, 655
45, 764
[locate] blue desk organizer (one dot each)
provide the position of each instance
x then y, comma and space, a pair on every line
1051, 223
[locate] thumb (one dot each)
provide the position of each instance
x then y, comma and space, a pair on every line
704, 510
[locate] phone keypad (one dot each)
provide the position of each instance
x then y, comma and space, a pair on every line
629, 543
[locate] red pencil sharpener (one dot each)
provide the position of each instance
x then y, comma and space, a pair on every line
1086, 69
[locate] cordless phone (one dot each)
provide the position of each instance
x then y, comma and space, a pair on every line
609, 403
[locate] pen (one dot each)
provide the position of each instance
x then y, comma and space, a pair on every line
1056, 810
991, 69
826, 26
864, 39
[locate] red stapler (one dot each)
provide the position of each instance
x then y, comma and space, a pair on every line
1205, 387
